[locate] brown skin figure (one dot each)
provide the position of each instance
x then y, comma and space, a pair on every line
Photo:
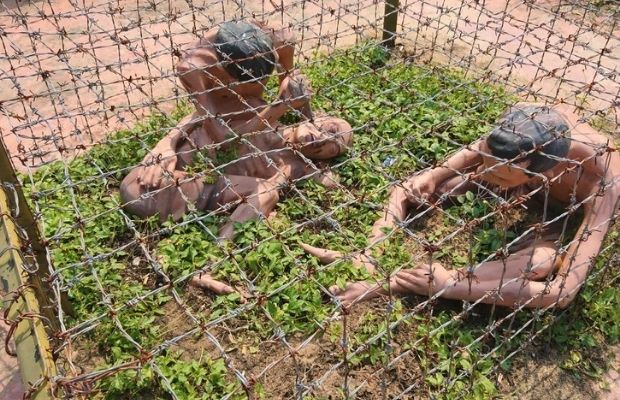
583, 170
248, 184
225, 73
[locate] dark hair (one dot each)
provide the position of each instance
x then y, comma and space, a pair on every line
245, 50
523, 129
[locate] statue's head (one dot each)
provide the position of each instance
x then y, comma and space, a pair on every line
322, 139
532, 138
245, 51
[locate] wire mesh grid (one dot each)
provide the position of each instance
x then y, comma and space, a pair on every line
263, 176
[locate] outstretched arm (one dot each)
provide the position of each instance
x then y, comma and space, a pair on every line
414, 190
417, 189
163, 157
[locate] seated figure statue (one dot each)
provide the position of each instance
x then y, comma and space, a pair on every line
226, 71
535, 150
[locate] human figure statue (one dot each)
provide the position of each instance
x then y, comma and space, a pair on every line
226, 71
534, 151
250, 180
248, 184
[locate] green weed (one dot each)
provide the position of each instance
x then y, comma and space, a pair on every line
406, 117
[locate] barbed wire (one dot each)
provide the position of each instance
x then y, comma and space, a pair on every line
90, 87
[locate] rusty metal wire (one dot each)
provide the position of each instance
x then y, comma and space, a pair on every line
72, 73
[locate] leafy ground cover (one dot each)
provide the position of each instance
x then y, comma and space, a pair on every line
127, 278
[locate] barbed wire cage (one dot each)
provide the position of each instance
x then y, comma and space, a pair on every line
98, 300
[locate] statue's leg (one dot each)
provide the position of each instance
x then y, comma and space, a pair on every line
253, 197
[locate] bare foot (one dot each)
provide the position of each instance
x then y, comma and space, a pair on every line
355, 292
326, 256
206, 281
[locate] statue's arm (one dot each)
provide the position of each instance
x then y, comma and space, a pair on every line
598, 214
295, 93
196, 71
197, 75
585, 248
284, 40
418, 188
169, 144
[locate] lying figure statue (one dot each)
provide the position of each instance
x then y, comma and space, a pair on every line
535, 150
247, 184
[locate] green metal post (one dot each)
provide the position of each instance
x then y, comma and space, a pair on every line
29, 306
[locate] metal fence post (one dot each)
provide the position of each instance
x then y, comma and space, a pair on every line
390, 19
26, 222
28, 308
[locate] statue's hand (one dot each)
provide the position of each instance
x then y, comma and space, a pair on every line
295, 90
326, 256
156, 167
419, 188
426, 279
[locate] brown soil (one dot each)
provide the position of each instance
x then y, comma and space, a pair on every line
538, 373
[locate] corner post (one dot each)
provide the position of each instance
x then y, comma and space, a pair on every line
390, 20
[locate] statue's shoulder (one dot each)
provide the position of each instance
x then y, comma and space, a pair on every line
202, 49
280, 34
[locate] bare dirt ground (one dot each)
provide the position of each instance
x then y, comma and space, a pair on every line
538, 374
70, 74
